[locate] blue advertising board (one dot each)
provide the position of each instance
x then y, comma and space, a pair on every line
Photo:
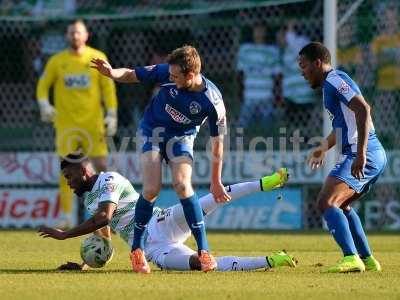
280, 209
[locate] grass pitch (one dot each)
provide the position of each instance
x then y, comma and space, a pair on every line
27, 266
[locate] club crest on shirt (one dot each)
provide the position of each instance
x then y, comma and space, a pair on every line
344, 88
194, 107
173, 92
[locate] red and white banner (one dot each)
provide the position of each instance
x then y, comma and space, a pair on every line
29, 168
29, 207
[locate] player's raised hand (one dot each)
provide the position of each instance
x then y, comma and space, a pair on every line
54, 233
357, 167
102, 66
316, 158
219, 193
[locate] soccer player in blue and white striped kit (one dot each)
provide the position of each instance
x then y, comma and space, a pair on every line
168, 129
362, 160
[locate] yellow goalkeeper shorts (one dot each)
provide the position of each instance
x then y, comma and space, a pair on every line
72, 140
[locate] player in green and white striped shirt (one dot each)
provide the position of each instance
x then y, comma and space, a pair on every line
259, 63
294, 87
111, 200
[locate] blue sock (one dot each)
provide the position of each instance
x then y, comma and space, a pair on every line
195, 220
357, 231
143, 214
339, 228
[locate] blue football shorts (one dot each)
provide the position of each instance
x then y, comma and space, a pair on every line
376, 162
171, 147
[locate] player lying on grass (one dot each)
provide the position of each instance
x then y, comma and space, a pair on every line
111, 200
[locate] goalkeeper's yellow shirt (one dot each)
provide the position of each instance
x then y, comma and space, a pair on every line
79, 91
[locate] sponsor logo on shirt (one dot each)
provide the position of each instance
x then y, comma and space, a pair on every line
173, 92
344, 88
76, 81
176, 115
194, 107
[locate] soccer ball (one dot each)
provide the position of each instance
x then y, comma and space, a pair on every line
96, 251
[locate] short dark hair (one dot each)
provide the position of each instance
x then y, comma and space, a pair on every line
78, 21
73, 160
316, 50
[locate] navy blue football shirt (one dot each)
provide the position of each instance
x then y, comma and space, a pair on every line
179, 111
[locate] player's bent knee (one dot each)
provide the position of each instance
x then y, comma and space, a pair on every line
325, 202
182, 189
322, 206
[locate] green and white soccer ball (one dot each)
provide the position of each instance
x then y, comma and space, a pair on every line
96, 251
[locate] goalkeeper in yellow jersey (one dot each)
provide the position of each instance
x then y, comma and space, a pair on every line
85, 105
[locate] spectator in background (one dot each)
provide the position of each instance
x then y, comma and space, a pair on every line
258, 63
386, 57
77, 114
297, 95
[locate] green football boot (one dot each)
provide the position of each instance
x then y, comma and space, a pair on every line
281, 259
276, 180
350, 263
371, 264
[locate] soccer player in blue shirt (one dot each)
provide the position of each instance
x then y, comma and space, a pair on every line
168, 128
363, 158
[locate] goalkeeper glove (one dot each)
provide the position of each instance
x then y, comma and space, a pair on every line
111, 122
47, 111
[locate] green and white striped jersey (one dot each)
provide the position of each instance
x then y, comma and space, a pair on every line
113, 187
295, 87
259, 62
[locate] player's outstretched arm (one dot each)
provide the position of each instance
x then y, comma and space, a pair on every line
73, 266
124, 75
100, 219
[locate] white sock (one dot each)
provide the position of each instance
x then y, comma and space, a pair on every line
208, 203
176, 262
236, 191
235, 263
